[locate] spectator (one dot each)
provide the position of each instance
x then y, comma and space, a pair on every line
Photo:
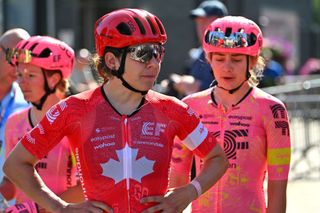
11, 98
198, 75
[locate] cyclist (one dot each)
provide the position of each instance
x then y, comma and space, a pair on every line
122, 132
43, 66
251, 125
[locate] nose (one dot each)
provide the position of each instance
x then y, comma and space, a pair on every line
228, 65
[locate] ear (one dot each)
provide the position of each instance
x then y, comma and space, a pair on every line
111, 61
53, 80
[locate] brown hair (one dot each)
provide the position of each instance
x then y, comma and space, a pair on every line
99, 66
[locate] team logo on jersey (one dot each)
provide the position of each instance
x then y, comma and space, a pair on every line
40, 127
128, 166
52, 114
152, 128
280, 117
63, 105
230, 144
30, 139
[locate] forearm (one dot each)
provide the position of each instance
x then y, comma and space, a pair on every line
212, 170
277, 198
73, 194
25, 177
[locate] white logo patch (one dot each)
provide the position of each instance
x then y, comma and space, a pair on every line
128, 167
152, 128
52, 114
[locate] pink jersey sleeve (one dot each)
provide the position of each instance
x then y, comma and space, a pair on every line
15, 124
278, 140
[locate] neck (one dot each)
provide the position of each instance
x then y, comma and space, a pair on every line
228, 100
121, 98
51, 100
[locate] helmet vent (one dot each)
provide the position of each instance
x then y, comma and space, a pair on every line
33, 46
151, 25
25, 44
252, 39
142, 30
124, 29
160, 26
45, 53
228, 31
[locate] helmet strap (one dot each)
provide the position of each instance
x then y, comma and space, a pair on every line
119, 74
47, 90
231, 91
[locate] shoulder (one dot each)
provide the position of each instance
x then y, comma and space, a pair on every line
85, 98
17, 117
195, 53
161, 99
266, 101
198, 97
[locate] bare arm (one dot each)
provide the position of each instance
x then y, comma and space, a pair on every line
176, 200
19, 168
277, 196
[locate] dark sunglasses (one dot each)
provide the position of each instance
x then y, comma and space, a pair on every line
145, 52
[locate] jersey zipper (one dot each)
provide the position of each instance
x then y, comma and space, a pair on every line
126, 159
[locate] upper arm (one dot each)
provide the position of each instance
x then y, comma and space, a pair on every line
181, 162
19, 155
278, 141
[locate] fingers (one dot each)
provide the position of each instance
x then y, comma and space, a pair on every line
102, 206
156, 199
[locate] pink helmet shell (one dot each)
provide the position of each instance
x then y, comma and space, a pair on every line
49, 53
233, 34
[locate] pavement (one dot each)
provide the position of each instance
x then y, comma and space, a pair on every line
303, 196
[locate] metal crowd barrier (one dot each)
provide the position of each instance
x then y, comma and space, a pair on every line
302, 99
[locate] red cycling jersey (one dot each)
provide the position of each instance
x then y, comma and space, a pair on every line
57, 168
120, 158
255, 136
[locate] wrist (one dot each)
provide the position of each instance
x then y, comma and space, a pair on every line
197, 187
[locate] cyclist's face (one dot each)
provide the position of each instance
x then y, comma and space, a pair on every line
31, 81
142, 75
229, 68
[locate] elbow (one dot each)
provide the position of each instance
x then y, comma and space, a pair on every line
6, 168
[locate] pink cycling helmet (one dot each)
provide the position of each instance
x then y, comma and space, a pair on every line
125, 27
233, 34
48, 53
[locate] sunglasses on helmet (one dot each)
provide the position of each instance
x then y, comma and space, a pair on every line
19, 56
234, 40
145, 52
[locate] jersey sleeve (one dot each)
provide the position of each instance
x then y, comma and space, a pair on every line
278, 141
9, 139
49, 131
191, 131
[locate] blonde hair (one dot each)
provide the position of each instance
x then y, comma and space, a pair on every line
257, 71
